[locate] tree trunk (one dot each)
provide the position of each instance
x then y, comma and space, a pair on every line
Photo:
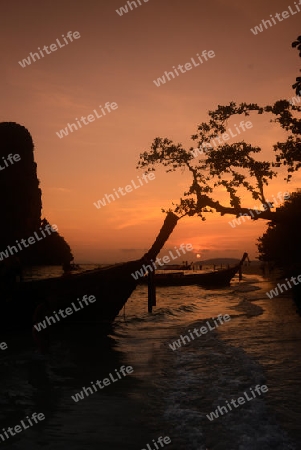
169, 224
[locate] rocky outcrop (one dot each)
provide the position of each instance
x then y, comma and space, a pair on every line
21, 199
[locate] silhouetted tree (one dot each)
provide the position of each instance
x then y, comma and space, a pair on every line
297, 85
281, 242
237, 167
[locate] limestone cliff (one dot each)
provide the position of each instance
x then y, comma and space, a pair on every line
21, 203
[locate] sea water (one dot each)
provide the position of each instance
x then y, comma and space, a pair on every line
170, 392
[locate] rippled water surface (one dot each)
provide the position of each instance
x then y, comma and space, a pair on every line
171, 392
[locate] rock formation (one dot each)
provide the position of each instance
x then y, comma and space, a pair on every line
21, 203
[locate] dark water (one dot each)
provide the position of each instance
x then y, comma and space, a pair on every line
170, 392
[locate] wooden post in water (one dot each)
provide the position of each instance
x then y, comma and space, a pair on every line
151, 291
240, 272
154, 290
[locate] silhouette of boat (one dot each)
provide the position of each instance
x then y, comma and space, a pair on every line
185, 266
112, 286
216, 279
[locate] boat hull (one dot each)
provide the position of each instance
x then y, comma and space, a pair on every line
213, 280
110, 286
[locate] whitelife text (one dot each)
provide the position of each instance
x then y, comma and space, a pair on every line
240, 400
68, 311
203, 330
12, 431
243, 126
31, 240
123, 371
128, 188
52, 47
90, 118
148, 268
188, 66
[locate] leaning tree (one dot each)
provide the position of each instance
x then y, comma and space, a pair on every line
238, 167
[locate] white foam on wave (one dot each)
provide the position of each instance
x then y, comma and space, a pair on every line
202, 376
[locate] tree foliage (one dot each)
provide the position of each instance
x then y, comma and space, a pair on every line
297, 85
238, 168
281, 242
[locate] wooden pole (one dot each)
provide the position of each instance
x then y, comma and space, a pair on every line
154, 298
240, 273
151, 291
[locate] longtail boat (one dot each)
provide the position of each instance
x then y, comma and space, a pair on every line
112, 286
216, 279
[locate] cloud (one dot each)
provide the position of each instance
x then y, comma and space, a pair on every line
58, 189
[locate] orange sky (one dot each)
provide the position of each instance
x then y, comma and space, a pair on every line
116, 59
